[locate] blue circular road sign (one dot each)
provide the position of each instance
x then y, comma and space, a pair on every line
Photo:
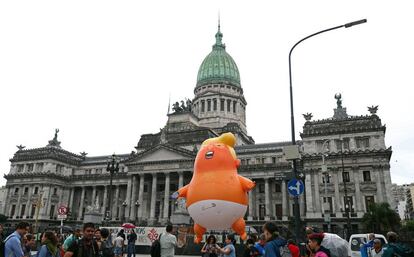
295, 187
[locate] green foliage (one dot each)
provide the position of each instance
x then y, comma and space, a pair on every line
409, 226
3, 218
381, 218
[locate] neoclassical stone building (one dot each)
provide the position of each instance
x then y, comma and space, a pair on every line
162, 162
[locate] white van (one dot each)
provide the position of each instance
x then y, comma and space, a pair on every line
357, 240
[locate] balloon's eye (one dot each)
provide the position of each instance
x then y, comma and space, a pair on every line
209, 154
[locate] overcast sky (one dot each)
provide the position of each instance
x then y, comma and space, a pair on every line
102, 71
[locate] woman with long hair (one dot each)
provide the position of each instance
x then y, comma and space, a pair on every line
228, 250
49, 245
210, 248
273, 240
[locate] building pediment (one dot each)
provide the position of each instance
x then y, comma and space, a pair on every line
162, 153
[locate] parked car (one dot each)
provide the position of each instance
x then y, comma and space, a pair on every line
357, 240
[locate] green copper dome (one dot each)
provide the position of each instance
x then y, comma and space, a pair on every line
218, 66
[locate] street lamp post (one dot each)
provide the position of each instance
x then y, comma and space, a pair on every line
326, 177
346, 202
112, 167
292, 120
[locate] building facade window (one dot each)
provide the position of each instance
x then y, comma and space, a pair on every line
33, 211
278, 188
273, 159
342, 143
55, 191
362, 142
234, 106
369, 200
26, 190
20, 167
16, 190
261, 188
36, 190
22, 210
327, 201
209, 105
279, 211
367, 176
262, 211
13, 210
345, 176
228, 105
214, 104
52, 211
222, 105
30, 167
326, 179
203, 105
348, 204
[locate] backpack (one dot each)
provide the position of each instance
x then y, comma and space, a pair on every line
106, 249
156, 248
284, 251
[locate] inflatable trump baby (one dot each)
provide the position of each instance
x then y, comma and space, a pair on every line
217, 196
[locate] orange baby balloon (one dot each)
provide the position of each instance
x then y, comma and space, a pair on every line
217, 196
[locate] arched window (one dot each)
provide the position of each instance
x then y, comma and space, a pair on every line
228, 105
203, 105
214, 104
234, 106
222, 105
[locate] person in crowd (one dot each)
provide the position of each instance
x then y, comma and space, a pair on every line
70, 239
118, 244
337, 246
132, 238
86, 246
293, 248
168, 242
367, 247
250, 250
13, 243
315, 241
29, 243
273, 240
97, 237
260, 245
49, 245
122, 233
210, 247
106, 248
228, 250
394, 248
377, 250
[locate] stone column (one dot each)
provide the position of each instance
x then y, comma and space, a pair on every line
133, 213
70, 202
250, 217
128, 199
285, 206
358, 199
18, 206
105, 200
141, 195
267, 199
28, 204
385, 171
336, 186
166, 196
93, 196
115, 211
308, 191
80, 213
4, 210
45, 201
317, 196
153, 197
380, 197
180, 179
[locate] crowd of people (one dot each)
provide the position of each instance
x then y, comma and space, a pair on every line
94, 242
319, 244
87, 242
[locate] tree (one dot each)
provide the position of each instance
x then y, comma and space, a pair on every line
409, 226
381, 218
3, 218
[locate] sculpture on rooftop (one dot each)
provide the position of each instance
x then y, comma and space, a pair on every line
20, 147
338, 100
308, 116
373, 110
184, 107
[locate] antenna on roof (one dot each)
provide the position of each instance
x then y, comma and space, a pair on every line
219, 20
